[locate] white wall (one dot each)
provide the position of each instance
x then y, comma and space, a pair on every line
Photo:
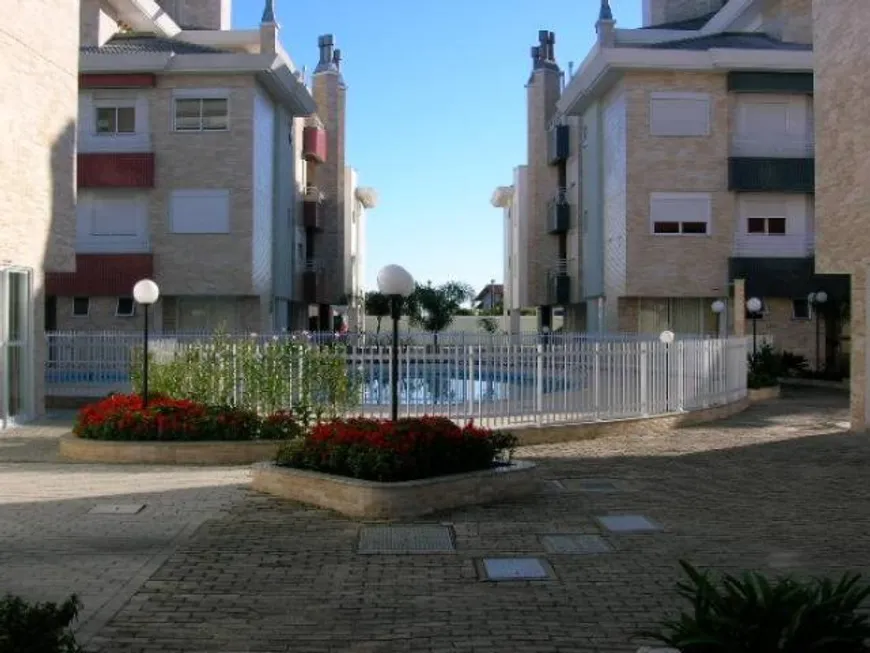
520, 235
264, 195
614, 202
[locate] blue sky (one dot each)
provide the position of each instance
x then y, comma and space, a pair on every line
436, 112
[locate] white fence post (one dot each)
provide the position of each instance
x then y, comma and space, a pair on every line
539, 383
470, 384
596, 380
644, 381
681, 376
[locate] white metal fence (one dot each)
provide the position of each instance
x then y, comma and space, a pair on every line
497, 381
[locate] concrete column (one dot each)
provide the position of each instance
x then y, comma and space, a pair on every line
738, 308
859, 401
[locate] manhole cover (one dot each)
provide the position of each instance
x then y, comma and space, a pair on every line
515, 569
576, 544
117, 509
628, 524
589, 485
406, 539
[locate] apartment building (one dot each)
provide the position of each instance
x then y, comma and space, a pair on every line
842, 91
677, 159
38, 85
206, 163
511, 199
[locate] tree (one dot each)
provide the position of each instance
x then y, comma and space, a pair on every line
488, 324
378, 306
433, 307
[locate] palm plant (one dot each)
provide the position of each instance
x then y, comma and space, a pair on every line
433, 308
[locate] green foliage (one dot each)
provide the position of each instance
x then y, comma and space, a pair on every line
751, 614
261, 375
792, 364
765, 367
488, 324
433, 308
38, 627
378, 306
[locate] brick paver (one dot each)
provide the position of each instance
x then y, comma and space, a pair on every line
781, 487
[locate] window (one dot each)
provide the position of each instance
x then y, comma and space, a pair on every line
766, 226
679, 114
801, 310
126, 307
81, 306
199, 212
202, 114
680, 214
116, 120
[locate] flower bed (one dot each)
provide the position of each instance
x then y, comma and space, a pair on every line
124, 418
405, 450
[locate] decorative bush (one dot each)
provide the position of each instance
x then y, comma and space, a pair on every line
404, 450
260, 374
38, 627
765, 367
123, 417
751, 614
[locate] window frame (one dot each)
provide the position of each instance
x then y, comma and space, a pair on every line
766, 221
115, 107
131, 313
665, 196
73, 311
809, 311
201, 95
681, 95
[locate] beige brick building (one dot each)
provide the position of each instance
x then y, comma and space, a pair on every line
38, 86
207, 163
842, 196
677, 159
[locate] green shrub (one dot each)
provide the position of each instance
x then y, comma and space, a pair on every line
38, 627
793, 364
408, 449
751, 614
765, 367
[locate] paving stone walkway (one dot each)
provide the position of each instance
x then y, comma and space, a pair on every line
208, 566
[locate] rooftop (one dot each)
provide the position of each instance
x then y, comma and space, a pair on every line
142, 43
732, 40
689, 24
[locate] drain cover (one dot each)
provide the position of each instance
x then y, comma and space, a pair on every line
406, 539
589, 485
577, 544
515, 569
117, 509
628, 524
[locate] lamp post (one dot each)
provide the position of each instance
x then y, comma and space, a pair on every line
718, 307
754, 306
666, 337
817, 299
145, 292
395, 282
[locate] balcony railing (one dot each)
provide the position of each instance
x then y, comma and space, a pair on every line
113, 245
771, 175
91, 142
772, 146
773, 245
559, 283
559, 213
314, 142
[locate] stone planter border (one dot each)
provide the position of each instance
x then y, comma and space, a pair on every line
764, 394
388, 501
77, 449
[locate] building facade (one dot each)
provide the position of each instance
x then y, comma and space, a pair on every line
681, 158
206, 163
38, 81
842, 197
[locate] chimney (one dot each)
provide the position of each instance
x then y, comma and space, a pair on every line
336, 59
269, 29
606, 26
326, 43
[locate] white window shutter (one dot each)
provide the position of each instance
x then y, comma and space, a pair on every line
200, 212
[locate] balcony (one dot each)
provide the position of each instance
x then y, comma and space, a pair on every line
314, 143
773, 245
312, 281
558, 144
740, 81
90, 142
559, 284
311, 209
785, 277
559, 213
116, 170
102, 275
776, 146
771, 175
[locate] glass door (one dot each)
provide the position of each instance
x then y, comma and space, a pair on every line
16, 347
